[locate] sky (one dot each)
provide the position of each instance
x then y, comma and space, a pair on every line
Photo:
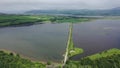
25, 5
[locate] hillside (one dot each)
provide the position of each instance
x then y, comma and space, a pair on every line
2, 13
83, 12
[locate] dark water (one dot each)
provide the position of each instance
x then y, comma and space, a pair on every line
96, 36
41, 42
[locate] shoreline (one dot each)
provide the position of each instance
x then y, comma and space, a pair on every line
29, 58
22, 25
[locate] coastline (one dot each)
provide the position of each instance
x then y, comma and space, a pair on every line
29, 58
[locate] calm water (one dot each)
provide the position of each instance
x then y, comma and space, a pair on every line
42, 42
96, 36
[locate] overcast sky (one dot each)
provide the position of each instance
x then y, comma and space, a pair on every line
24, 5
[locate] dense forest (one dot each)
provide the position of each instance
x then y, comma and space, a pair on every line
106, 59
10, 60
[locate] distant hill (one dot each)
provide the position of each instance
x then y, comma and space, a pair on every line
2, 13
84, 12
118, 9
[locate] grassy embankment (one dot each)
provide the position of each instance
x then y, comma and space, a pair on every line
17, 20
72, 50
105, 59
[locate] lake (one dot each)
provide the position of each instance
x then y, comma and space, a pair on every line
46, 42
96, 36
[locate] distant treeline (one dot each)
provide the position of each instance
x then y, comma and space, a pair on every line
17, 20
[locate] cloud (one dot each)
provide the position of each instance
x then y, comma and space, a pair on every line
24, 5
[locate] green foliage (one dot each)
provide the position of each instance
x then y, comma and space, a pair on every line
106, 59
49, 63
72, 50
105, 54
71, 20
75, 51
7, 20
12, 20
9, 60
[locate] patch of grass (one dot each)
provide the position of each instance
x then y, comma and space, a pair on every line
75, 51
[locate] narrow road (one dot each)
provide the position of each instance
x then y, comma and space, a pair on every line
68, 43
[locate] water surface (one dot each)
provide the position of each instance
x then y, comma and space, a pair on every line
41, 42
96, 36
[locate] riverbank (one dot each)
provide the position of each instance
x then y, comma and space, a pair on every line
23, 56
46, 63
21, 20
